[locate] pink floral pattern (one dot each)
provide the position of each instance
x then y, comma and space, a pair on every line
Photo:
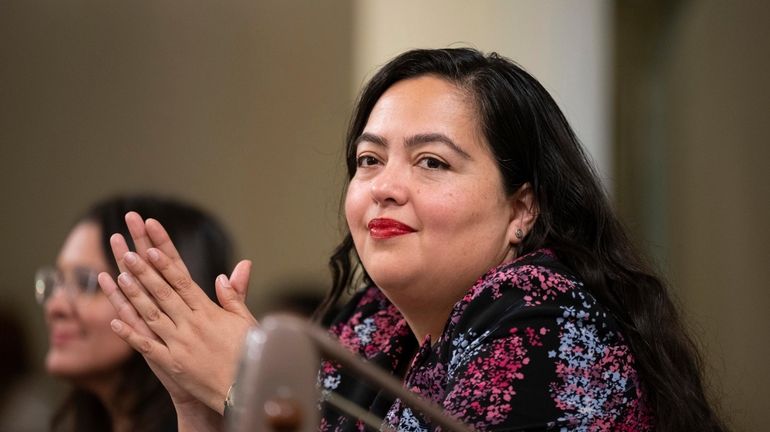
527, 348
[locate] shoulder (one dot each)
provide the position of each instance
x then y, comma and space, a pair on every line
535, 294
528, 337
536, 280
538, 276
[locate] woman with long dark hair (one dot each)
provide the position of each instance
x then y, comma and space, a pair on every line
495, 278
113, 387
534, 145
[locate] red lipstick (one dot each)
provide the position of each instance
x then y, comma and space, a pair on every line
382, 228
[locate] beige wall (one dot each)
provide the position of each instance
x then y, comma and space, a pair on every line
719, 199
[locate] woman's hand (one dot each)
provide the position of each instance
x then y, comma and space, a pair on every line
191, 343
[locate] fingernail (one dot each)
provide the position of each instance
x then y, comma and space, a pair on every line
116, 325
130, 257
125, 279
222, 279
153, 254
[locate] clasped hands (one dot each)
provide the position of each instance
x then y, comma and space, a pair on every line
190, 342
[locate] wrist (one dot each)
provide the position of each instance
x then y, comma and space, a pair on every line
197, 417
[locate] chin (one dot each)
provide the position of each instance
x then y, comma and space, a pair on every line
391, 281
66, 367
61, 365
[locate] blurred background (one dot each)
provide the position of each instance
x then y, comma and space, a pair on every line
241, 106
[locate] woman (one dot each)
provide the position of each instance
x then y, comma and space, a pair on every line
113, 388
497, 281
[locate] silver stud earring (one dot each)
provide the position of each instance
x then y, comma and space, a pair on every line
519, 234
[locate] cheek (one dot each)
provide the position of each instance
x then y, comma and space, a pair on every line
446, 210
471, 210
355, 205
99, 351
96, 313
95, 320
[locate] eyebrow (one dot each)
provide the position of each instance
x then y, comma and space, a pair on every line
414, 141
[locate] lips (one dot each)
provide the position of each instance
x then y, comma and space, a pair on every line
383, 228
60, 337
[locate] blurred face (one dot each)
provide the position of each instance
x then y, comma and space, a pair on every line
81, 344
426, 206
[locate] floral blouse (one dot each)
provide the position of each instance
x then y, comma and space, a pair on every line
527, 348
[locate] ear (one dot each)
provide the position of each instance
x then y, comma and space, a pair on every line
523, 213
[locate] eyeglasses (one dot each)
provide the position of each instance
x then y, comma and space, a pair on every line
81, 280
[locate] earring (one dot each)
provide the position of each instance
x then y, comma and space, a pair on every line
519, 234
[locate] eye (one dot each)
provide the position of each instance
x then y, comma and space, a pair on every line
432, 163
86, 280
366, 161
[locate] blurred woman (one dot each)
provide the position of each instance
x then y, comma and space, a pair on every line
112, 386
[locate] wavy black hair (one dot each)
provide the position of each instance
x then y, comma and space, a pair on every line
206, 249
533, 143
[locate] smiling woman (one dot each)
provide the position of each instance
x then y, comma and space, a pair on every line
81, 346
113, 388
424, 168
492, 275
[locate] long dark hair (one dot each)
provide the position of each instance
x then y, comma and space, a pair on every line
533, 143
206, 249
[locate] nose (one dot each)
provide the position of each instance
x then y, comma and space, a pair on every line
390, 186
58, 305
